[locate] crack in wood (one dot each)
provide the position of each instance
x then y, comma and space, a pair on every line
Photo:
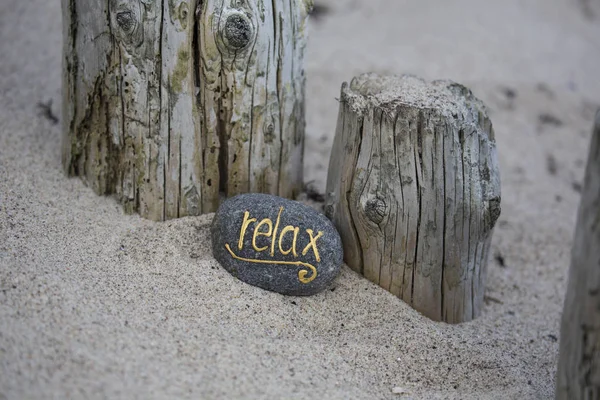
579, 362
197, 104
420, 234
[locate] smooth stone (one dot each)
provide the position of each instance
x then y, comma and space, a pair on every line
304, 258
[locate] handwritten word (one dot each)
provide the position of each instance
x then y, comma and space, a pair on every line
267, 229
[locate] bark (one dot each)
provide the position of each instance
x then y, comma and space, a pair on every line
414, 190
173, 104
579, 359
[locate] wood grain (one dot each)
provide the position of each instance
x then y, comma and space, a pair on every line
579, 360
414, 190
174, 104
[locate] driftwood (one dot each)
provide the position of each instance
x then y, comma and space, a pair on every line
579, 360
171, 104
414, 190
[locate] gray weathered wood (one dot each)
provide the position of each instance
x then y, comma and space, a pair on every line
414, 190
171, 104
579, 360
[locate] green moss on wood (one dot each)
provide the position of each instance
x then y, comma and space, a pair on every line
181, 70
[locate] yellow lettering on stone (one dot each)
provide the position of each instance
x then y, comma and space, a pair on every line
272, 233
301, 274
285, 230
275, 232
257, 233
312, 243
247, 221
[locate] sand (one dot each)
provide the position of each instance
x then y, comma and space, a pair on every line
98, 304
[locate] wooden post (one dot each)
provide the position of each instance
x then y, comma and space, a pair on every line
171, 104
414, 190
579, 360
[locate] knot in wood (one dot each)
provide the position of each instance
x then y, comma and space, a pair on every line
238, 31
126, 21
269, 132
183, 12
375, 210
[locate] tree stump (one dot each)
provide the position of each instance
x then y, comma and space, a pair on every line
414, 190
173, 104
579, 360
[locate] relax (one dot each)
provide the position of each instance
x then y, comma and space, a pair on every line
272, 231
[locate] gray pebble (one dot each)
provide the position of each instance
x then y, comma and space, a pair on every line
276, 244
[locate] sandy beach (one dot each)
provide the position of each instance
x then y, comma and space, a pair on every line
98, 304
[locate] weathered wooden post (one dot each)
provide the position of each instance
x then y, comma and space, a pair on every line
579, 360
171, 104
414, 190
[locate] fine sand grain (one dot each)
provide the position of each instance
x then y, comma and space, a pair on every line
98, 304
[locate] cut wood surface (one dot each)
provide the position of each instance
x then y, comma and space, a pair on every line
414, 190
172, 104
579, 360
